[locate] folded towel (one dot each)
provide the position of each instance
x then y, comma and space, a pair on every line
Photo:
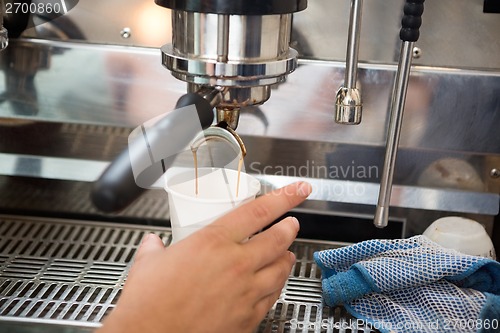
413, 285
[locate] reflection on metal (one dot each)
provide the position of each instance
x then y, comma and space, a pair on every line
403, 196
324, 22
329, 190
116, 88
4, 35
219, 133
68, 273
51, 167
228, 74
4, 38
126, 33
206, 50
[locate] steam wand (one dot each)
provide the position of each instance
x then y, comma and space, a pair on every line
409, 34
348, 105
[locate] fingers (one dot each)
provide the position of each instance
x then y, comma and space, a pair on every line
269, 245
150, 243
264, 305
248, 219
271, 278
270, 281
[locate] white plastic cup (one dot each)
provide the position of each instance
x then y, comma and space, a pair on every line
464, 235
216, 196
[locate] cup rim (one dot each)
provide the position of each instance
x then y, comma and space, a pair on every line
255, 183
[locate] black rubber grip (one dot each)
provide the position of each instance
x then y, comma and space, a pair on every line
117, 187
236, 7
16, 21
412, 20
491, 6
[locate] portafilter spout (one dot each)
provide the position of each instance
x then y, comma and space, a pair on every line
409, 34
220, 132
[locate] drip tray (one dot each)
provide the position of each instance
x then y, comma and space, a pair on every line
68, 274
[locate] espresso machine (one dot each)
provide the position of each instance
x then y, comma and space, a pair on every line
305, 90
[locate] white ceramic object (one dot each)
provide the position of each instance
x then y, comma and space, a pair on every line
216, 196
464, 235
451, 173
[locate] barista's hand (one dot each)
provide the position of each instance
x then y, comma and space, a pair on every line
214, 280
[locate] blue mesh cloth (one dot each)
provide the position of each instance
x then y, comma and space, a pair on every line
412, 285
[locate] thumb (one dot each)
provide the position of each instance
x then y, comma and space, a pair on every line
150, 243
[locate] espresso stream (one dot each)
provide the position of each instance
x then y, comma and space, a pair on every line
195, 159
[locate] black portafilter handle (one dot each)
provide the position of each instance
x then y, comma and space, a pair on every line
412, 20
117, 187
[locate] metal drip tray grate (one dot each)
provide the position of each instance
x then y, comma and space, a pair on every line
72, 272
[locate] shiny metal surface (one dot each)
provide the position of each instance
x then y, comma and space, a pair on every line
116, 88
51, 167
244, 38
404, 196
226, 135
70, 273
4, 36
245, 54
105, 95
230, 50
64, 270
348, 106
327, 190
229, 115
348, 102
353, 43
232, 99
394, 133
120, 87
241, 97
239, 74
223, 38
324, 22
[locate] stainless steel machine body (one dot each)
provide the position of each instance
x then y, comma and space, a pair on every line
91, 81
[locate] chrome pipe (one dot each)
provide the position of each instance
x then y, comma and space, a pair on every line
353, 44
393, 135
348, 104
